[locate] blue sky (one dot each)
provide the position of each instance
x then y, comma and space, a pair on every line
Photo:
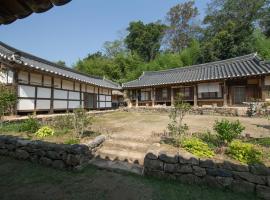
80, 27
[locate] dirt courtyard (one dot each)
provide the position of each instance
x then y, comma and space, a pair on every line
135, 123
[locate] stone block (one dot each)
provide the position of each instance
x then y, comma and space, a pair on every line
189, 179
171, 168
21, 154
259, 169
154, 164
45, 161
184, 169
207, 163
199, 171
242, 186
219, 172
187, 158
59, 164
53, 155
168, 157
263, 191
251, 177
234, 167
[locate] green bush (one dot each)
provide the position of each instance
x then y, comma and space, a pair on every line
197, 147
72, 141
44, 132
244, 152
62, 122
30, 125
227, 131
209, 138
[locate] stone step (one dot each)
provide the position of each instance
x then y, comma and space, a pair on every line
125, 144
135, 138
117, 165
114, 153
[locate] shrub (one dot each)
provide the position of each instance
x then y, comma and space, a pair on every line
180, 109
30, 125
81, 121
62, 122
44, 132
227, 131
72, 141
197, 147
244, 152
210, 138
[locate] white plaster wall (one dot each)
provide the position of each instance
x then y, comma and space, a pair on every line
60, 94
102, 98
74, 95
26, 91
23, 77
43, 104
68, 85
74, 104
57, 82
108, 98
47, 81
108, 104
102, 104
35, 79
43, 92
25, 104
58, 104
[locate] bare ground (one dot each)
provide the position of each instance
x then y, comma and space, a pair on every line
145, 124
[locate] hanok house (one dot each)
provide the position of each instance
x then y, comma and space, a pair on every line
229, 82
43, 86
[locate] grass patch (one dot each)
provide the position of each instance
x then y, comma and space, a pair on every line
25, 180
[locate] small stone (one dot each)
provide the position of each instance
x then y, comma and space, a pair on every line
171, 168
184, 169
259, 170
59, 164
168, 157
211, 181
153, 164
251, 177
73, 160
189, 179
152, 153
96, 142
219, 172
199, 171
234, 167
53, 155
21, 142
224, 181
21, 154
45, 161
263, 191
242, 186
187, 158
207, 163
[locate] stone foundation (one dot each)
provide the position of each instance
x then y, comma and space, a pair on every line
188, 169
61, 156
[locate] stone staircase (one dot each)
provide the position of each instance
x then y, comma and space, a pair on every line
123, 151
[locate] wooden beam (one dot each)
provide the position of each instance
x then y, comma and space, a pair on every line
52, 95
195, 96
137, 98
153, 96
225, 94
172, 96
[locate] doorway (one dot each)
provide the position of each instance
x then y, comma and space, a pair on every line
239, 94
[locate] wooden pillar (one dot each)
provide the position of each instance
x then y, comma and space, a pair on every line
15, 87
172, 97
225, 94
195, 96
153, 96
137, 98
81, 106
52, 95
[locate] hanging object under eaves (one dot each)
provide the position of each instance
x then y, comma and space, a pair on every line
11, 10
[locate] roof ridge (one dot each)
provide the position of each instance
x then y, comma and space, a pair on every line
201, 65
44, 61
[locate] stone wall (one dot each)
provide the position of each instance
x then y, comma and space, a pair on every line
223, 111
61, 156
186, 168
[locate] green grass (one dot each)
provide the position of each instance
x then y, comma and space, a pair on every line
261, 141
25, 180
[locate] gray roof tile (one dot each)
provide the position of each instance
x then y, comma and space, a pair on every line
28, 60
248, 65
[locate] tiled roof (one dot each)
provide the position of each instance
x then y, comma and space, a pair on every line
243, 66
30, 61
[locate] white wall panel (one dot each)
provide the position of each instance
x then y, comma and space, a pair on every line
74, 104
26, 91
43, 92
60, 94
74, 95
35, 79
26, 104
10, 76
3, 77
58, 104
43, 104
108, 104
102, 104
108, 98
67, 85
102, 98
57, 82
47, 80
23, 77
77, 86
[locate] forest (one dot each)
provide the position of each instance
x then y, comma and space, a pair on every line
229, 28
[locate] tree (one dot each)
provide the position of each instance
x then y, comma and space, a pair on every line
7, 100
112, 49
182, 27
145, 39
61, 63
229, 28
265, 20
